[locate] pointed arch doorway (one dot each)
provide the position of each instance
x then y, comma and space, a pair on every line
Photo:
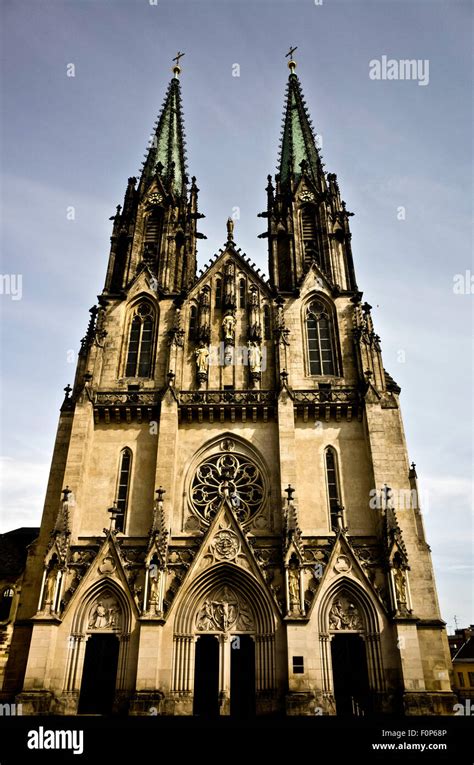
224, 645
353, 675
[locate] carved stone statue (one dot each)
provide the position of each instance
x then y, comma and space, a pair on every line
99, 618
336, 616
228, 325
400, 586
50, 587
153, 589
344, 615
253, 308
205, 617
294, 587
202, 358
255, 357
230, 230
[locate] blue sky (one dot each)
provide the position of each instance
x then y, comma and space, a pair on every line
73, 141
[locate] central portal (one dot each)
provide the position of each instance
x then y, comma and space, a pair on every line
214, 684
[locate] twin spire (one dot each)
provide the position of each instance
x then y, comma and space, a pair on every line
298, 142
166, 155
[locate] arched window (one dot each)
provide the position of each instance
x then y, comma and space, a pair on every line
283, 260
152, 234
308, 224
192, 322
6, 604
140, 343
119, 263
266, 323
242, 293
179, 242
218, 293
332, 478
123, 488
320, 339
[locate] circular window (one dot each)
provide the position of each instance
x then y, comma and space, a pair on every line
227, 475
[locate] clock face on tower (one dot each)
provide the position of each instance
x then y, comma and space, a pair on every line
307, 196
154, 198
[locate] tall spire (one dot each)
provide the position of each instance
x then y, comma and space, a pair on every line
298, 141
166, 155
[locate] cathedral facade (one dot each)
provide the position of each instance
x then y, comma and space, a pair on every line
231, 523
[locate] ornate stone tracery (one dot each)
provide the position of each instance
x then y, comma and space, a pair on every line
227, 475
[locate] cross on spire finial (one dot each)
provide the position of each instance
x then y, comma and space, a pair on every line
177, 68
291, 62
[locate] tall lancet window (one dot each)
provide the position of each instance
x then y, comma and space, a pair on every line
320, 339
123, 488
140, 343
242, 293
308, 224
152, 238
332, 479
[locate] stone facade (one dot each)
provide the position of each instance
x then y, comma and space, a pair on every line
230, 495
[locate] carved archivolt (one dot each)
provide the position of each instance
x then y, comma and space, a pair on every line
224, 610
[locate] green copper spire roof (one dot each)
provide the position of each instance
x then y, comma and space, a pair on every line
167, 154
298, 142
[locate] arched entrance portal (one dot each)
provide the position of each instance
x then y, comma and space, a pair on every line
224, 645
353, 677
98, 650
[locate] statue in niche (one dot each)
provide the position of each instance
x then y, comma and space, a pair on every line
255, 357
228, 326
50, 587
202, 358
253, 309
294, 586
400, 586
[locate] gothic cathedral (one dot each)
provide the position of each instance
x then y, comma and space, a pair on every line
231, 524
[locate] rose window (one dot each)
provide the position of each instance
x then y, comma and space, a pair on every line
227, 475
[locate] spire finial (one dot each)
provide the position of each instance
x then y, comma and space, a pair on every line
177, 68
291, 62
